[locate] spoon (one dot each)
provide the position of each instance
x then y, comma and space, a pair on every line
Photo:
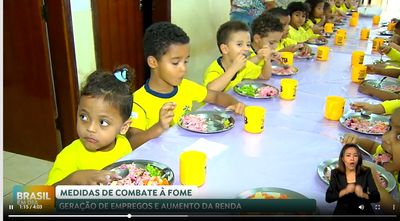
379, 84
224, 114
121, 173
363, 112
381, 54
359, 147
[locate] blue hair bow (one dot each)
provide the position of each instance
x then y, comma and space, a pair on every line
121, 75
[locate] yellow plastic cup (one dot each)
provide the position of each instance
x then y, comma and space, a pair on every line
353, 21
376, 19
192, 168
328, 28
357, 58
391, 26
287, 57
355, 15
341, 31
288, 89
254, 117
364, 34
334, 107
376, 43
339, 39
323, 53
358, 73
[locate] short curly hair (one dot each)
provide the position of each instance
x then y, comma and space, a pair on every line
159, 36
265, 23
227, 29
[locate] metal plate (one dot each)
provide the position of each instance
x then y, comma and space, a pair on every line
386, 82
165, 170
275, 66
332, 164
387, 33
327, 35
318, 42
372, 118
256, 86
340, 23
309, 56
214, 121
387, 62
385, 24
272, 190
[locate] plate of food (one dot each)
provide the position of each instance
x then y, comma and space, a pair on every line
386, 179
384, 24
327, 35
386, 33
206, 122
283, 70
142, 173
372, 124
256, 90
339, 23
386, 85
273, 193
300, 55
316, 42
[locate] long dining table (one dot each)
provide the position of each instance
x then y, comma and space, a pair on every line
296, 136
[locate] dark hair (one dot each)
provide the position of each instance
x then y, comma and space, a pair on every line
327, 6
397, 25
359, 167
279, 12
313, 4
159, 36
266, 23
297, 7
227, 29
118, 94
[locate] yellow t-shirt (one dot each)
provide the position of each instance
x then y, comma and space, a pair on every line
250, 71
76, 157
309, 24
283, 43
390, 106
380, 150
344, 7
394, 55
301, 35
334, 7
147, 103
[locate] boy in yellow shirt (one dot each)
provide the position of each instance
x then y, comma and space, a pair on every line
337, 8
166, 96
233, 40
298, 11
287, 44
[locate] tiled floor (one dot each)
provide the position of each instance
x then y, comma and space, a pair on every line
22, 170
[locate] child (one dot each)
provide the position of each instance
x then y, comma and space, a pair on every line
378, 93
316, 18
105, 105
297, 12
233, 40
390, 144
267, 30
166, 96
387, 107
348, 5
337, 8
287, 44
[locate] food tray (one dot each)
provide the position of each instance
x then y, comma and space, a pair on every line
309, 56
372, 118
332, 164
385, 83
317, 42
275, 66
386, 33
255, 85
340, 23
214, 119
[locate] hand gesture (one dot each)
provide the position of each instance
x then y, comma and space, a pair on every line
91, 177
166, 114
366, 88
384, 49
370, 69
350, 188
292, 48
239, 62
358, 190
349, 138
238, 108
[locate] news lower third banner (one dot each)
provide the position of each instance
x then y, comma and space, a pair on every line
142, 199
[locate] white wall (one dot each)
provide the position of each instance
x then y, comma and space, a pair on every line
83, 37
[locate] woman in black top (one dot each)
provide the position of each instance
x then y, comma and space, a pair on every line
352, 185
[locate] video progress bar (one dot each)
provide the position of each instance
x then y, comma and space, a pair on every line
173, 216
96, 216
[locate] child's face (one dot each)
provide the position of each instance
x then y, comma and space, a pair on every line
350, 2
99, 123
172, 66
285, 20
238, 43
391, 139
339, 2
271, 40
297, 19
319, 10
328, 13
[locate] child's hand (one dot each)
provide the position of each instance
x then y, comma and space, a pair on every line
239, 62
322, 38
238, 108
349, 138
366, 88
391, 45
375, 109
306, 49
292, 48
276, 56
91, 177
384, 49
370, 69
265, 52
166, 114
317, 29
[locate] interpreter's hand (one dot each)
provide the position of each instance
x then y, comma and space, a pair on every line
322, 38
366, 88
349, 138
276, 56
306, 49
371, 108
292, 48
91, 177
350, 188
317, 29
358, 190
239, 62
384, 49
237, 108
166, 115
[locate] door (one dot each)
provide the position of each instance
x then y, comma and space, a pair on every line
30, 107
118, 27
